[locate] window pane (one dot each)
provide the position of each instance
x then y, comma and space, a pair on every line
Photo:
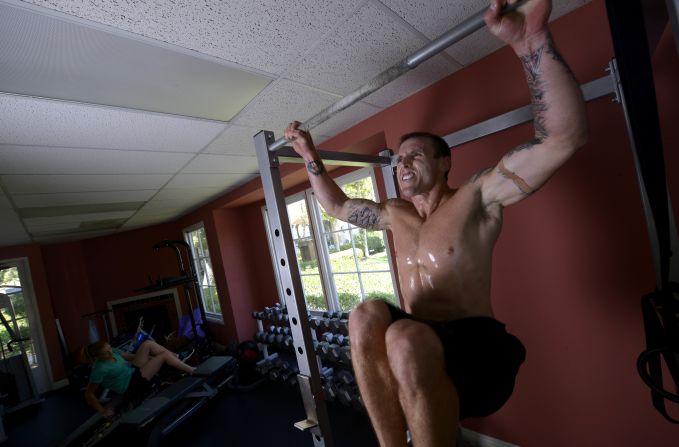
371, 242
342, 255
299, 219
195, 241
203, 242
306, 255
362, 188
215, 298
348, 291
378, 286
313, 292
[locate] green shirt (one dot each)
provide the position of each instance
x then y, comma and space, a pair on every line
112, 375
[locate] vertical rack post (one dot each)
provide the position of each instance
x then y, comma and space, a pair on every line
317, 420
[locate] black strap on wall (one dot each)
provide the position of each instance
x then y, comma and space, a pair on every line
660, 308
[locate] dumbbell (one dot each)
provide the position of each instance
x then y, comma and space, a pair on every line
358, 403
326, 373
265, 364
345, 355
260, 336
341, 326
330, 391
334, 352
327, 337
342, 340
314, 322
344, 377
345, 395
288, 341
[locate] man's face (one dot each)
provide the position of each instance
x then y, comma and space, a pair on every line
417, 169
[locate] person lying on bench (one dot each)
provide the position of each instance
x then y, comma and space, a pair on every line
110, 369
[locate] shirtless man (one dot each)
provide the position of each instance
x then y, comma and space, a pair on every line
446, 358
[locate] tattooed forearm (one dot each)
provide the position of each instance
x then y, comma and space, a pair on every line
315, 167
531, 64
364, 217
552, 51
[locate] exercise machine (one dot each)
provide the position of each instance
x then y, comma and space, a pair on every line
161, 412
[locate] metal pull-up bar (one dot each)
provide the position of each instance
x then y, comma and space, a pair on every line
457, 33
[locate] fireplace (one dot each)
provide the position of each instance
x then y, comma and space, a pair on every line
160, 311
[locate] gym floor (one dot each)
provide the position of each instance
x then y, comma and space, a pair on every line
261, 417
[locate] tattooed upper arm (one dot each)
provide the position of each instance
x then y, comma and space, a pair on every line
366, 214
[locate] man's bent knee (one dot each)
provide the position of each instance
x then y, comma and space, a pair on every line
367, 322
415, 353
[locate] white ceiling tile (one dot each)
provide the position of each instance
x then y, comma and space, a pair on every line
43, 160
80, 198
55, 226
227, 164
222, 181
187, 194
23, 184
282, 102
32, 222
145, 220
44, 122
372, 41
173, 203
90, 64
13, 232
235, 140
4, 202
345, 119
277, 32
435, 17
71, 236
416, 79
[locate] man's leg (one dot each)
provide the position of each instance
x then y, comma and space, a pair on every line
427, 395
368, 326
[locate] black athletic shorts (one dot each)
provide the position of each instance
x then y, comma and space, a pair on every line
138, 387
482, 360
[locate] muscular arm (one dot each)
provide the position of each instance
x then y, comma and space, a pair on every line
360, 212
558, 108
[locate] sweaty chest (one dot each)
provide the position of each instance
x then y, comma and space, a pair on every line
438, 241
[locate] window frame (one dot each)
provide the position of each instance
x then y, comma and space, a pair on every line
213, 317
322, 254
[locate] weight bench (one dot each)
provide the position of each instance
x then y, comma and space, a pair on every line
191, 391
169, 408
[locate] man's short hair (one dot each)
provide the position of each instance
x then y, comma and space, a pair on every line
440, 146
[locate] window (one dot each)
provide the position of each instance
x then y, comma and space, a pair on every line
197, 239
340, 264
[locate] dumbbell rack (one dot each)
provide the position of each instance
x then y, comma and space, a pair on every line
331, 347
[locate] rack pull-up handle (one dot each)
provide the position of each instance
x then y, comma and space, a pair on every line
455, 34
